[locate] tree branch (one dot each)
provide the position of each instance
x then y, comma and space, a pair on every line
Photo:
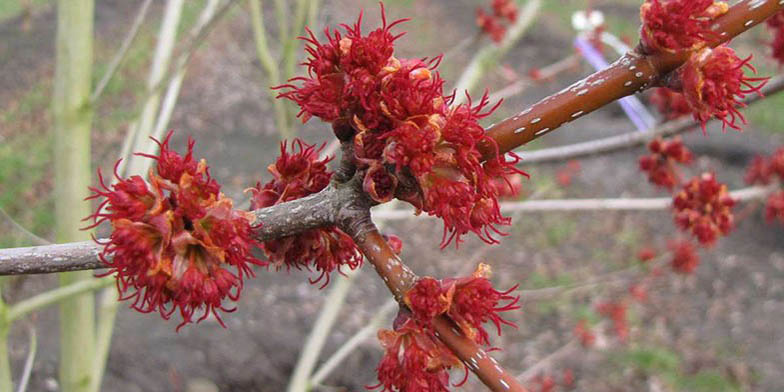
634, 138
399, 278
632, 73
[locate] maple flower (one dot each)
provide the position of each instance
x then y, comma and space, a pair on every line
408, 142
616, 312
646, 254
494, 25
684, 256
774, 208
678, 25
476, 302
714, 82
469, 301
296, 174
414, 359
584, 333
670, 103
177, 243
704, 207
661, 164
759, 172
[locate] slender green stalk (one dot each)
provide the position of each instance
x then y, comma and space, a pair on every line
51, 297
319, 332
313, 14
350, 345
290, 45
282, 14
270, 67
160, 63
107, 313
72, 121
5, 366
32, 350
118, 58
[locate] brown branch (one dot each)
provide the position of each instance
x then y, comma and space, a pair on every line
634, 138
399, 278
632, 73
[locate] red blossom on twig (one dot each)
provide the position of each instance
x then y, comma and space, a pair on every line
661, 164
684, 256
714, 83
678, 25
177, 243
297, 174
704, 207
404, 130
670, 103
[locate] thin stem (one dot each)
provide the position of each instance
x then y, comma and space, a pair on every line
350, 345
107, 313
27, 233
54, 296
632, 73
634, 138
620, 204
319, 332
566, 350
29, 361
72, 122
6, 383
271, 67
118, 58
160, 62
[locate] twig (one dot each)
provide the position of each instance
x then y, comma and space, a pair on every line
122, 52
28, 366
634, 138
626, 204
545, 73
399, 278
47, 298
566, 350
356, 339
632, 73
29, 234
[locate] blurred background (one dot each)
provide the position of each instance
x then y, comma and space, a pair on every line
716, 330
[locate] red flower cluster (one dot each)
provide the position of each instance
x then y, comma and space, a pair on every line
584, 333
297, 174
776, 25
469, 302
684, 256
425, 361
678, 25
414, 360
704, 207
762, 170
616, 312
774, 209
493, 24
714, 82
408, 142
670, 103
646, 254
176, 243
661, 164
